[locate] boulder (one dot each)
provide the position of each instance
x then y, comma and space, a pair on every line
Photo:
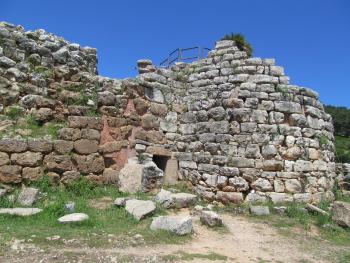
341, 213
28, 196
174, 224
210, 218
73, 218
164, 199
259, 210
182, 200
152, 177
120, 201
18, 211
139, 209
130, 178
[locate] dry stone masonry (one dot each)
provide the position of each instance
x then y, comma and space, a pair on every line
230, 125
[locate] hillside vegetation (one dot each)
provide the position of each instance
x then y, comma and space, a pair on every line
341, 121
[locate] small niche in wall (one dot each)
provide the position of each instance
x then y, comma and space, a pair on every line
160, 161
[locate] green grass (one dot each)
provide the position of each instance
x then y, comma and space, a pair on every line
342, 146
93, 232
295, 217
34, 129
184, 256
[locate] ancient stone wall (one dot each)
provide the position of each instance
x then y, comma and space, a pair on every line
240, 130
233, 125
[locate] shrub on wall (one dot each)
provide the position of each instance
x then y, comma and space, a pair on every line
241, 42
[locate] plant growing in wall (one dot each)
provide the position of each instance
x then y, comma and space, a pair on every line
241, 42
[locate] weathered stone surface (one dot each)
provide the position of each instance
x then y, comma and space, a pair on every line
69, 134
28, 196
18, 211
85, 146
239, 183
293, 186
13, 145
174, 224
69, 177
32, 173
229, 197
210, 218
277, 198
139, 209
92, 163
40, 145
73, 218
164, 199
10, 174
183, 199
259, 210
121, 201
130, 178
27, 158
263, 185
58, 163
4, 158
63, 147
341, 213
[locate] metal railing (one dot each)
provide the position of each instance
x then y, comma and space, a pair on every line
181, 55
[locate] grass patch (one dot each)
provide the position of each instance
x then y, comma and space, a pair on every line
112, 220
184, 256
296, 217
30, 128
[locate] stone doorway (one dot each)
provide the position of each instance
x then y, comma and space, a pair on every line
160, 161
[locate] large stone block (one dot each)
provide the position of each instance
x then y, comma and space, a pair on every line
10, 174
92, 163
13, 145
85, 146
27, 158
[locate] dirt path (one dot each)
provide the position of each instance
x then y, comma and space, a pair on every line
244, 241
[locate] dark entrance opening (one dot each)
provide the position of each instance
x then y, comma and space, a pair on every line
160, 161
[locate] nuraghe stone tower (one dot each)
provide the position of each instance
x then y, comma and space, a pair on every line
230, 125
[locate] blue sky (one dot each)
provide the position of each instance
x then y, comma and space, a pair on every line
310, 38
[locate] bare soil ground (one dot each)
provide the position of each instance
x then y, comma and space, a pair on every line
244, 239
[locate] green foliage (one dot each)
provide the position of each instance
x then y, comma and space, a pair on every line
241, 42
323, 140
342, 146
13, 112
341, 119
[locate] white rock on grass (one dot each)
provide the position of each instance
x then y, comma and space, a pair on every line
139, 209
28, 196
171, 200
259, 210
19, 211
120, 201
164, 199
175, 224
73, 218
211, 218
341, 213
184, 199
